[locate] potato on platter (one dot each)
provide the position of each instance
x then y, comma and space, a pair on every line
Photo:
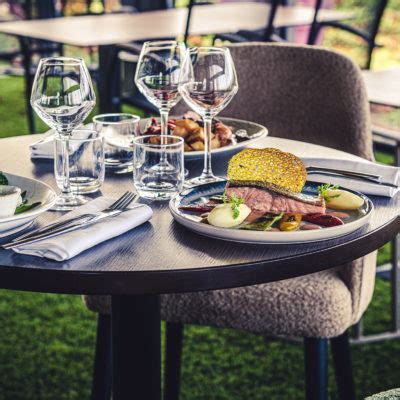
187, 147
223, 217
339, 199
196, 136
215, 143
197, 146
187, 124
181, 131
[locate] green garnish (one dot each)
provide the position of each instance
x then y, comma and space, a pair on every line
264, 224
235, 202
26, 207
323, 191
3, 179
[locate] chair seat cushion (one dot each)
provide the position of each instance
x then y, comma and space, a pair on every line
317, 305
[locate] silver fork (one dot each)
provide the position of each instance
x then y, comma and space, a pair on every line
73, 223
82, 217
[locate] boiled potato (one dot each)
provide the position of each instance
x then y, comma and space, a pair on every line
186, 147
196, 136
180, 131
215, 144
343, 200
187, 124
197, 146
222, 216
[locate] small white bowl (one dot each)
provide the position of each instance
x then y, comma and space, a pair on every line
10, 198
36, 191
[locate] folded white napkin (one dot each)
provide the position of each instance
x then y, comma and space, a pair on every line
44, 148
64, 247
388, 173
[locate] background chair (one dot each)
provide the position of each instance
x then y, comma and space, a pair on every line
128, 56
373, 14
283, 87
267, 34
39, 9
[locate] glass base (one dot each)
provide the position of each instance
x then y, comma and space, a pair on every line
163, 167
70, 202
120, 167
201, 180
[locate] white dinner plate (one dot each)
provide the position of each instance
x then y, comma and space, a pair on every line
255, 131
36, 191
201, 193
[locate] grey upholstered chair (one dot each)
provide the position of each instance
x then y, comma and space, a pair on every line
303, 93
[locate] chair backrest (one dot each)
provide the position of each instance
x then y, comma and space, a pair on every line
366, 25
302, 92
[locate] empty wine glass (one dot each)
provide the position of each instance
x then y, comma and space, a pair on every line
157, 77
63, 96
208, 83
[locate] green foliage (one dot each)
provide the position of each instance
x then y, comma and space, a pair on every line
3, 179
47, 347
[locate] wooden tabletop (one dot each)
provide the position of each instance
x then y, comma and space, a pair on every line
120, 28
161, 256
383, 87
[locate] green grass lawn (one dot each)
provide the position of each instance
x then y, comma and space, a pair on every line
47, 341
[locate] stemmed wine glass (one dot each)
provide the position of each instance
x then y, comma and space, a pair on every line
157, 77
63, 96
208, 83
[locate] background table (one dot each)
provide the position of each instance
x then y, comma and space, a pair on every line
108, 30
162, 257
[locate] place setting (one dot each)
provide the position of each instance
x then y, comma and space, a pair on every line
181, 180
268, 195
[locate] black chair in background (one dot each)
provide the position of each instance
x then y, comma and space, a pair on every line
268, 34
374, 14
39, 9
128, 55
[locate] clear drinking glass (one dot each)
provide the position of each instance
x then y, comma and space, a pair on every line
150, 181
208, 83
157, 77
86, 160
63, 96
118, 131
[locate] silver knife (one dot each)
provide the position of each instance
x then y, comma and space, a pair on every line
376, 179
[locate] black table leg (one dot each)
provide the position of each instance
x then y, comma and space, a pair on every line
136, 343
108, 79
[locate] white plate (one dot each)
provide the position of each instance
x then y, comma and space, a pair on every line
256, 131
36, 191
201, 193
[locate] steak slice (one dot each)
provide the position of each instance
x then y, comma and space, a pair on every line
263, 201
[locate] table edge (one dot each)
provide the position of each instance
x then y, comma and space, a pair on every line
196, 279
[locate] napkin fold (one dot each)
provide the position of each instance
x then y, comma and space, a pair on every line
388, 174
65, 246
44, 148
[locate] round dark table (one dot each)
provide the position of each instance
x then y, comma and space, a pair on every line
164, 257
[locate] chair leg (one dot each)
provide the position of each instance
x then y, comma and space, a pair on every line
343, 366
101, 384
316, 368
174, 342
27, 55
